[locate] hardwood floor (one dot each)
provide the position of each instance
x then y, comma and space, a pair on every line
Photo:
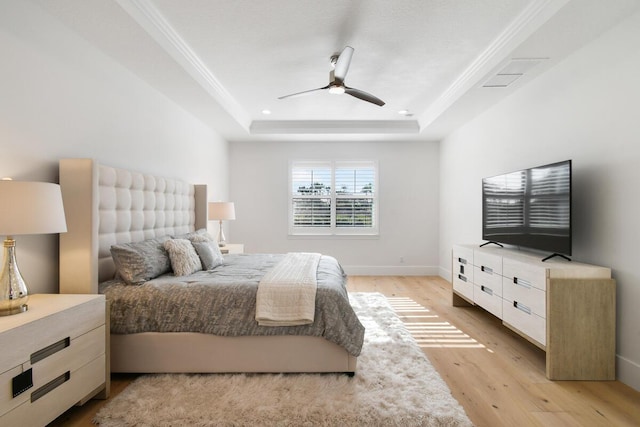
498, 377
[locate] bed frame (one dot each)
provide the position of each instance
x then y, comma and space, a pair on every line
106, 206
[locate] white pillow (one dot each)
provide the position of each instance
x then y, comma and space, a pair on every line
209, 253
183, 256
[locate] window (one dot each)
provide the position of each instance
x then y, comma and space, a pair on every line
333, 197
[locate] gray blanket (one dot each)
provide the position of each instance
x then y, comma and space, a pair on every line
223, 302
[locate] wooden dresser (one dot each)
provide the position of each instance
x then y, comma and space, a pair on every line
566, 308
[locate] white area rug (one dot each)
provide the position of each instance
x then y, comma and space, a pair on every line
394, 385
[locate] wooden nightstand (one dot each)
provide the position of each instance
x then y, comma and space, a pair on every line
53, 357
232, 248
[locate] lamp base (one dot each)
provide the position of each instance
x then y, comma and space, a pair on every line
13, 290
8, 311
221, 239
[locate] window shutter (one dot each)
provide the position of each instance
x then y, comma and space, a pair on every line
333, 197
355, 191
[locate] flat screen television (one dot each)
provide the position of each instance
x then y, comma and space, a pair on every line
529, 208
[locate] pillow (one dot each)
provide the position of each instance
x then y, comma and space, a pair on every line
184, 259
209, 254
138, 262
201, 235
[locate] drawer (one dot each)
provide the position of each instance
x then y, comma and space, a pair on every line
488, 278
65, 356
65, 393
80, 352
463, 256
525, 321
487, 299
488, 262
463, 266
71, 322
525, 273
463, 285
525, 295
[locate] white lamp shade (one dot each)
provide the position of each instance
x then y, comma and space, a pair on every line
30, 208
222, 210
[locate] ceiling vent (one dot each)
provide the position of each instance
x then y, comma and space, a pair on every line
512, 71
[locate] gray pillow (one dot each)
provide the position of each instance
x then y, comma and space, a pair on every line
184, 259
138, 262
209, 254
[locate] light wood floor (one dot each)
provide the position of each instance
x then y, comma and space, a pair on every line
498, 377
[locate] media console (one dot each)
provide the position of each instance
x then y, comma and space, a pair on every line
565, 308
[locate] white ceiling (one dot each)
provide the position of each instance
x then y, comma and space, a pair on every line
228, 60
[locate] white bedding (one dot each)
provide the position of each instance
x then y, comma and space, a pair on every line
287, 294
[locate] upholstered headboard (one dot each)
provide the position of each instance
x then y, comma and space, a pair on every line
106, 206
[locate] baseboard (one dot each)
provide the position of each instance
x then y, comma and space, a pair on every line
390, 270
628, 372
444, 273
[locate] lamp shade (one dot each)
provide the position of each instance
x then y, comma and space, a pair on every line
222, 210
30, 208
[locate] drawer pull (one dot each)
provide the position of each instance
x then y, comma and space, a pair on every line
461, 277
462, 260
522, 282
522, 307
22, 382
50, 349
487, 270
51, 385
462, 269
486, 290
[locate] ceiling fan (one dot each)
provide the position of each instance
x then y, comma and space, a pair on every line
340, 64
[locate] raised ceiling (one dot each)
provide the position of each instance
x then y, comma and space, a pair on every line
228, 61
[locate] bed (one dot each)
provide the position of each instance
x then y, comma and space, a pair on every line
108, 207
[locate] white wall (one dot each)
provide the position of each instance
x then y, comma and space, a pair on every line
408, 181
585, 109
59, 97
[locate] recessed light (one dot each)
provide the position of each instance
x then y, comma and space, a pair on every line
266, 112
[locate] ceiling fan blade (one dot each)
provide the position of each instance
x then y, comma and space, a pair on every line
364, 96
342, 64
303, 92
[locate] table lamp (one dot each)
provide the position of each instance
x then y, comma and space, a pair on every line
221, 211
25, 208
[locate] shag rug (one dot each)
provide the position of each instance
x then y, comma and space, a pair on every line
394, 385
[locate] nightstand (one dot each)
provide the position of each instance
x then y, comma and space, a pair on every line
232, 248
53, 357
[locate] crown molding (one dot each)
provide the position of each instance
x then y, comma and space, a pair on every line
262, 127
152, 21
534, 16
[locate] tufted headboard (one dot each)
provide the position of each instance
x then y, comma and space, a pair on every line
106, 206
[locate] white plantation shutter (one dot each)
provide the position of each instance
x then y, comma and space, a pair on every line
333, 197
355, 187
311, 195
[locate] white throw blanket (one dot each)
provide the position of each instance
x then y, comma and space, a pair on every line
287, 294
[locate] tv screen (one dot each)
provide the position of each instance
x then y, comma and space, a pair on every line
529, 208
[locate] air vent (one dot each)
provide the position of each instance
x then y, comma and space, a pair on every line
512, 71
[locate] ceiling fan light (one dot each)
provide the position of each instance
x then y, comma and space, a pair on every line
336, 90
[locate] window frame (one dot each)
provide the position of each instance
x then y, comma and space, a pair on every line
332, 230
